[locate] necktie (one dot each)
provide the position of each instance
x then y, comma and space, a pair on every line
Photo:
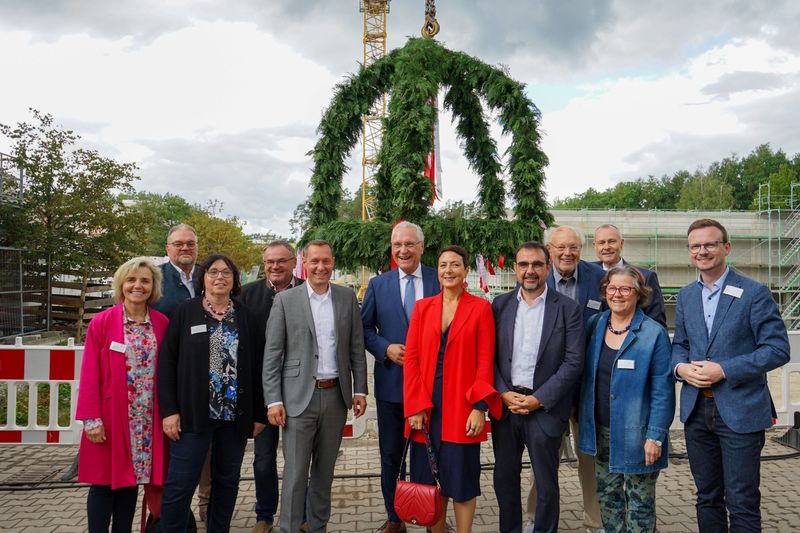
410, 297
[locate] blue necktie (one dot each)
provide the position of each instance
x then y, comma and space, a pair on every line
411, 298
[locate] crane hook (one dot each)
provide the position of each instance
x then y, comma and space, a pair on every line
431, 26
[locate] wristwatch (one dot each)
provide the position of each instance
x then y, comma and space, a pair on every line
656, 442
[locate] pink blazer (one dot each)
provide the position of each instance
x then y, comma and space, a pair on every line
103, 393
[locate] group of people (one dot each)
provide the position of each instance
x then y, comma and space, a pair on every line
170, 399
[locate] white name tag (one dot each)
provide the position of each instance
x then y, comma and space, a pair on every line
117, 347
627, 364
736, 292
200, 328
593, 304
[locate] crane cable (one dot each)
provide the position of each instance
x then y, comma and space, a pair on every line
431, 26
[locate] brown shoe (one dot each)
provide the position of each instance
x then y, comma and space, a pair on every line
304, 527
392, 527
262, 527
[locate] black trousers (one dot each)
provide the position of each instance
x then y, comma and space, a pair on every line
117, 507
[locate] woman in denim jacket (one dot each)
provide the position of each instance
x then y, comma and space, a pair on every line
627, 402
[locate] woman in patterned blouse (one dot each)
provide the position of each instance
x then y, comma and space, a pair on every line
209, 386
121, 447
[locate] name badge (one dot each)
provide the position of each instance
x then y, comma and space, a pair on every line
736, 292
117, 347
627, 364
593, 304
200, 328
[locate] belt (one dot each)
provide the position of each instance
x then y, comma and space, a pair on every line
523, 390
708, 393
326, 383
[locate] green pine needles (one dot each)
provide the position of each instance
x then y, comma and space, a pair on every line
412, 75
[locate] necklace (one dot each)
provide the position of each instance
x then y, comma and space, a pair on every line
218, 314
617, 331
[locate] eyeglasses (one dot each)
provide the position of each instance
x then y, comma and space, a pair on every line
623, 290
562, 249
181, 244
709, 246
401, 245
525, 265
276, 262
214, 273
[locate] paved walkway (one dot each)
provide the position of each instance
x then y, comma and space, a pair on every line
357, 502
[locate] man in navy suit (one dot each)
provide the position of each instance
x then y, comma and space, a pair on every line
177, 274
385, 313
608, 243
728, 335
538, 360
579, 281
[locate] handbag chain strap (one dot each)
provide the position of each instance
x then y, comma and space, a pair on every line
431, 455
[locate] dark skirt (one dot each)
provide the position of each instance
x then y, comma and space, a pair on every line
459, 464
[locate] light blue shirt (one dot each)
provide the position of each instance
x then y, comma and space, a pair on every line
711, 298
186, 280
567, 286
417, 277
528, 326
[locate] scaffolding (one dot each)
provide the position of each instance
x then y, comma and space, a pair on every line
784, 266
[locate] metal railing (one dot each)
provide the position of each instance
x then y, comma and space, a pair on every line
24, 292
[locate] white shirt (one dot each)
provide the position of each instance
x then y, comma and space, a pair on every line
607, 268
186, 280
324, 327
528, 327
417, 284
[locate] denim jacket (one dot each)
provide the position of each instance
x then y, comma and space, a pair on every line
643, 397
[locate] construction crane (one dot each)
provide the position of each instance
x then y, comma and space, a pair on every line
375, 12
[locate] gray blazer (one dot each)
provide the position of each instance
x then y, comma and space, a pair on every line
291, 353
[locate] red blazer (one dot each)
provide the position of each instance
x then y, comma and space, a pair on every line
468, 364
103, 393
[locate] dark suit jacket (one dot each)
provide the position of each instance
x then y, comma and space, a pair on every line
589, 278
655, 307
385, 323
559, 362
183, 370
173, 291
748, 339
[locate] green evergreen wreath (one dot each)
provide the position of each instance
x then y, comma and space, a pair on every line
412, 75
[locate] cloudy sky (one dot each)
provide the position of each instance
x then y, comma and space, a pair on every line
221, 99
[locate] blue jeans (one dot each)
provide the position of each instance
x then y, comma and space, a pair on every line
186, 458
727, 471
265, 470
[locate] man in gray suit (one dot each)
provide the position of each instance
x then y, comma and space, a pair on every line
314, 371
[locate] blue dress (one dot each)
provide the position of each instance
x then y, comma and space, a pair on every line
459, 464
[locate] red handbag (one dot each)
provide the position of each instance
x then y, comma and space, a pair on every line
418, 503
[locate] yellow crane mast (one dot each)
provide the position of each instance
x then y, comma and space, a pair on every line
375, 12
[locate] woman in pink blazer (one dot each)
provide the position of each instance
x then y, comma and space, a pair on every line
122, 446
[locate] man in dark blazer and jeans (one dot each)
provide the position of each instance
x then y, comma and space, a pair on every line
538, 360
177, 274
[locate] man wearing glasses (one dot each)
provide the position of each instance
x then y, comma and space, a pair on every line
177, 274
538, 360
386, 311
728, 335
279, 263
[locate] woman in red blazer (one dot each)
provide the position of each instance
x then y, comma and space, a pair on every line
122, 445
448, 385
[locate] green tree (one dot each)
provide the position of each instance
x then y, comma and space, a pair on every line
71, 207
154, 214
705, 192
225, 236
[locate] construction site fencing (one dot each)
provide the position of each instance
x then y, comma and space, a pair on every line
24, 292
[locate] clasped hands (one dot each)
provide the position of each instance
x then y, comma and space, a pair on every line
701, 374
520, 404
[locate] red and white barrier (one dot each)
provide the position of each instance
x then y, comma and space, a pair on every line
32, 366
